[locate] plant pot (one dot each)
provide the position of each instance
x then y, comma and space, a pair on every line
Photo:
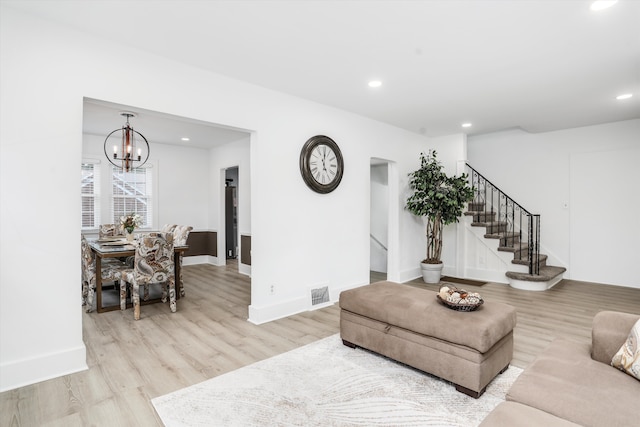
431, 272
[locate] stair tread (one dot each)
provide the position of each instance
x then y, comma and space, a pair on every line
515, 248
502, 235
525, 260
546, 273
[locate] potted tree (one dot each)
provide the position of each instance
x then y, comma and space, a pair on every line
441, 199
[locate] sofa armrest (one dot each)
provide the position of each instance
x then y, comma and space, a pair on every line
610, 330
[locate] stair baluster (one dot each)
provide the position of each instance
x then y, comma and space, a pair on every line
506, 220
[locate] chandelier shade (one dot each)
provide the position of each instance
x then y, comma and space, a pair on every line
126, 148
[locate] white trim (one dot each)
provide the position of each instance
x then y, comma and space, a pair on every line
23, 372
244, 269
527, 285
199, 259
90, 161
268, 313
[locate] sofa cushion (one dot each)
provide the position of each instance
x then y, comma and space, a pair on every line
610, 330
510, 414
397, 304
564, 381
627, 359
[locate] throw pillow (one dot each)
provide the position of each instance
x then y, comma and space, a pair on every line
627, 359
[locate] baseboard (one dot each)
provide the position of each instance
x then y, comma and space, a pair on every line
200, 259
268, 313
244, 269
33, 370
485, 275
408, 275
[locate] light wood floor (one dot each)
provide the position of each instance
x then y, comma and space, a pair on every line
132, 362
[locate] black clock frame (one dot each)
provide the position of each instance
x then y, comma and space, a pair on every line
305, 166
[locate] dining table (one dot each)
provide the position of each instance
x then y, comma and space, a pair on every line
121, 248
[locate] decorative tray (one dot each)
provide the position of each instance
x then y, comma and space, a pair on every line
459, 299
116, 243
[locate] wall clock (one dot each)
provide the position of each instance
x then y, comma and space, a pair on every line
321, 164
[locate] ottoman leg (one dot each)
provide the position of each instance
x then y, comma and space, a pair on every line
348, 344
473, 393
469, 392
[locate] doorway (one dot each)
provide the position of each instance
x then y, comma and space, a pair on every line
379, 220
231, 213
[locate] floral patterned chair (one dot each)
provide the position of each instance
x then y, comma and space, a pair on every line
153, 263
168, 228
111, 271
180, 236
109, 230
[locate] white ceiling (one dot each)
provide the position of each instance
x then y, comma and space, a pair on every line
537, 65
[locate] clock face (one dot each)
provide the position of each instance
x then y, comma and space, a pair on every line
324, 164
321, 164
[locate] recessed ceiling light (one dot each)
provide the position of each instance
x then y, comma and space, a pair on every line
466, 125
375, 83
602, 4
184, 138
624, 96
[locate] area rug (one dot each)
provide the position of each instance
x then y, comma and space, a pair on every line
328, 384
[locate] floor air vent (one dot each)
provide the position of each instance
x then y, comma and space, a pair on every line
319, 295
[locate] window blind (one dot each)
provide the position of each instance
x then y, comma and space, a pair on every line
90, 193
132, 193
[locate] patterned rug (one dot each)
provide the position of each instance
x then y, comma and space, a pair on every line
328, 384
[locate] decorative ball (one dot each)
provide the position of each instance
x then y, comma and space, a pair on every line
454, 298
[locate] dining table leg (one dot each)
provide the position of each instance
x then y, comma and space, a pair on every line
99, 284
176, 271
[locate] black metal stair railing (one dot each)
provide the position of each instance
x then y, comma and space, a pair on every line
517, 228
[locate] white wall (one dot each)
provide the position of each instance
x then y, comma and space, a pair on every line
183, 185
547, 174
299, 238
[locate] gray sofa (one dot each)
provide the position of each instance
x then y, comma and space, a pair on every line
573, 384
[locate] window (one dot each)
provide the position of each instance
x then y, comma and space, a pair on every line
132, 193
90, 193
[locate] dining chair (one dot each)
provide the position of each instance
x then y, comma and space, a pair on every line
111, 270
109, 230
180, 236
153, 263
168, 228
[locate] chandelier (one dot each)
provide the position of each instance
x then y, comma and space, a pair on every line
129, 147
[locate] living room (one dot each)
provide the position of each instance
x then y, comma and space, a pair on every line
49, 69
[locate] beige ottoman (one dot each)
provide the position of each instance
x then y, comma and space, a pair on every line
409, 325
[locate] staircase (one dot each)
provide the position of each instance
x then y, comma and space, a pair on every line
517, 232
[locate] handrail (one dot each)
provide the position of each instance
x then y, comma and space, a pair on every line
378, 242
506, 219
